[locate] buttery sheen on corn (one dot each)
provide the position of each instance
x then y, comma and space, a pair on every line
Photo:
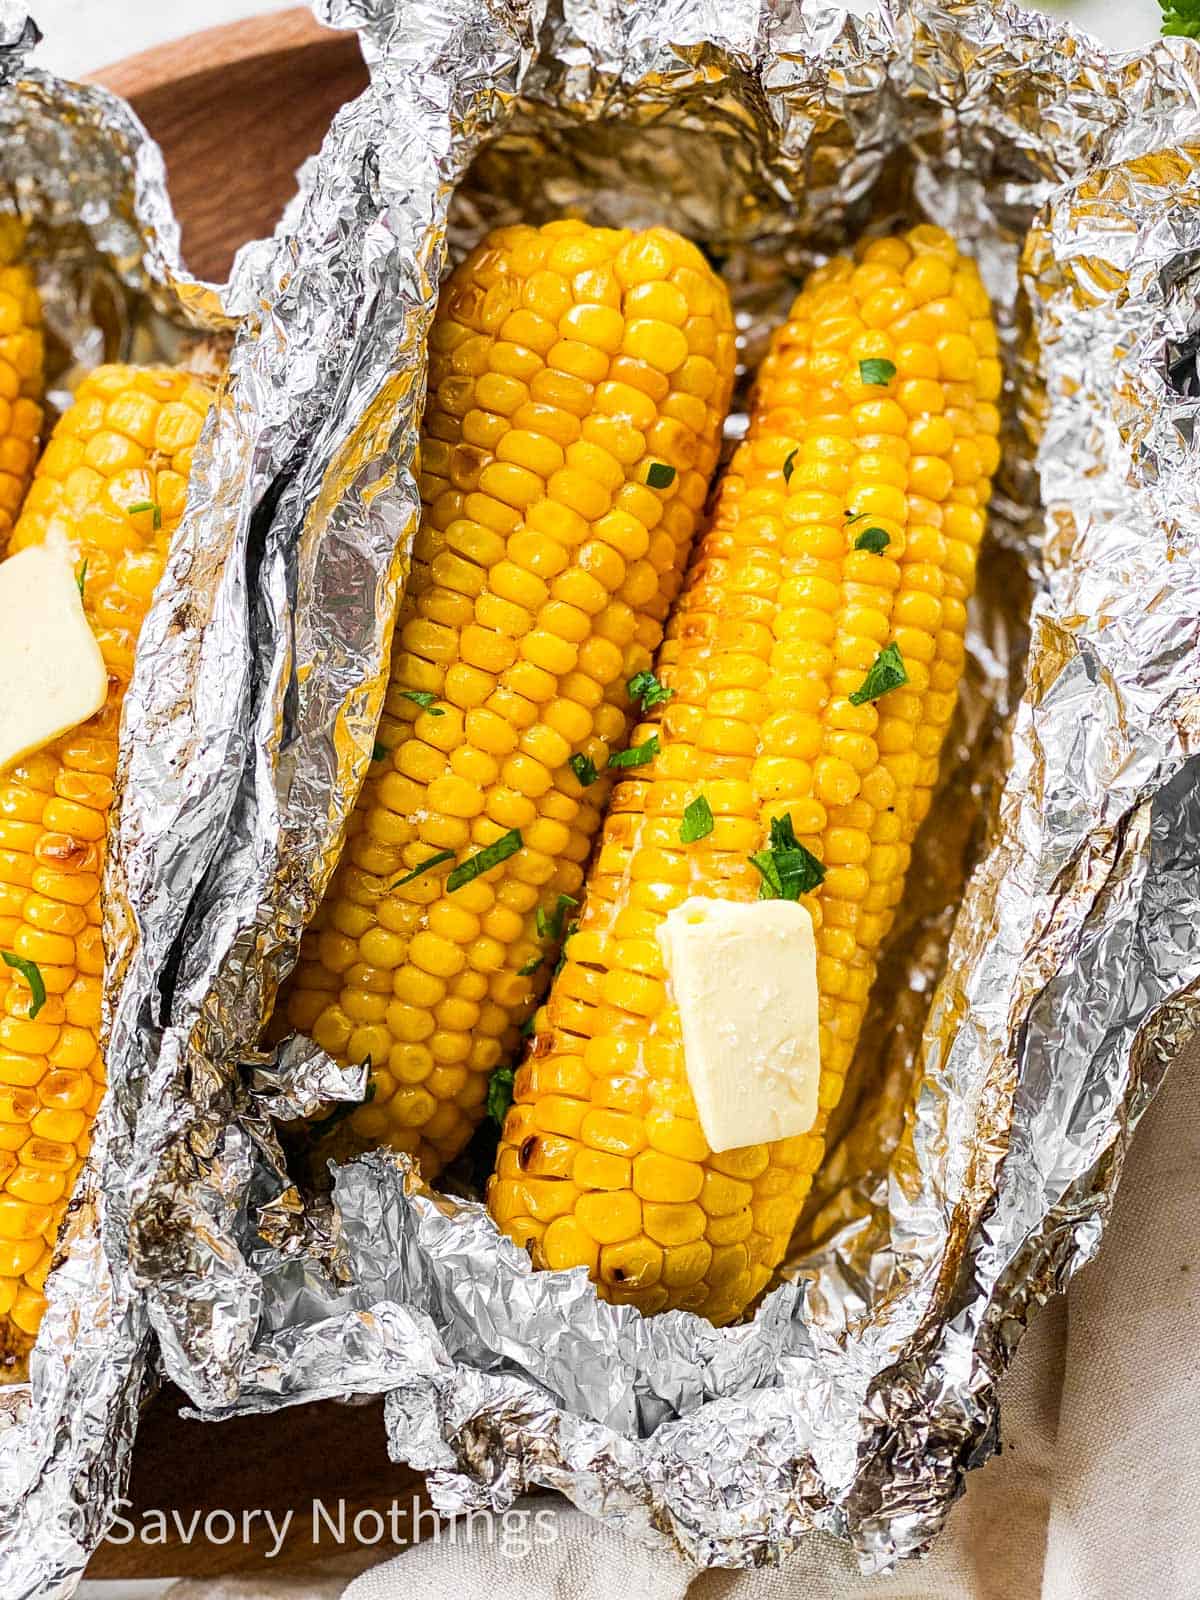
603, 1163
20, 374
112, 480
578, 383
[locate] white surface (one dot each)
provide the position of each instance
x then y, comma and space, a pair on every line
84, 35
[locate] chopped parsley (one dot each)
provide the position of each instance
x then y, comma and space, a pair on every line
31, 972
787, 869
1181, 17
530, 967
500, 1093
885, 673
877, 370
659, 475
147, 505
527, 1027
697, 821
584, 769
645, 690
789, 465
855, 516
875, 540
551, 926
81, 577
423, 698
380, 751
426, 866
484, 860
637, 755
572, 927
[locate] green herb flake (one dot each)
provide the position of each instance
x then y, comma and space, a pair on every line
30, 971
1181, 18
550, 926
637, 755
697, 821
787, 869
380, 752
659, 475
147, 505
572, 927
423, 698
81, 578
885, 673
645, 690
855, 516
789, 465
500, 1094
425, 866
484, 860
877, 371
530, 967
584, 769
874, 540
527, 1027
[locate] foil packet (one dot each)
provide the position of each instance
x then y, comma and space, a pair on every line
1046, 969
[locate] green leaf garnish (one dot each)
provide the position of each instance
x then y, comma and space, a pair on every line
147, 505
584, 769
789, 465
527, 1027
787, 869
875, 540
500, 1093
697, 821
876, 370
659, 475
1181, 18
572, 927
885, 673
81, 577
484, 860
637, 755
530, 967
645, 689
31, 972
380, 751
426, 866
423, 698
855, 516
551, 926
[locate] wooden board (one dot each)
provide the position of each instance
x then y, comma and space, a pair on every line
236, 110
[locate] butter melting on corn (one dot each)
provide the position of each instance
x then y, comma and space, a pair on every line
744, 979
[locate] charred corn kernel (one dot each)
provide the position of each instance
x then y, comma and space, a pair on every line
778, 625
21, 375
51, 1071
554, 359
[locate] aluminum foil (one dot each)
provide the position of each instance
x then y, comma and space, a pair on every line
1047, 968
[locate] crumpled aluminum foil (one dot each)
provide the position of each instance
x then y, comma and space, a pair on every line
1047, 969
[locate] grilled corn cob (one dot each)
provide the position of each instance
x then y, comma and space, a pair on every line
112, 480
578, 383
847, 528
20, 374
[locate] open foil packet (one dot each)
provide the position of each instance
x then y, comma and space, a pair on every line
1046, 968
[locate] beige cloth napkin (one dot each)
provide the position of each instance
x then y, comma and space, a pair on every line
1096, 1495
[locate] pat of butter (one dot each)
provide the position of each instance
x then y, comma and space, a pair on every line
745, 984
52, 675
